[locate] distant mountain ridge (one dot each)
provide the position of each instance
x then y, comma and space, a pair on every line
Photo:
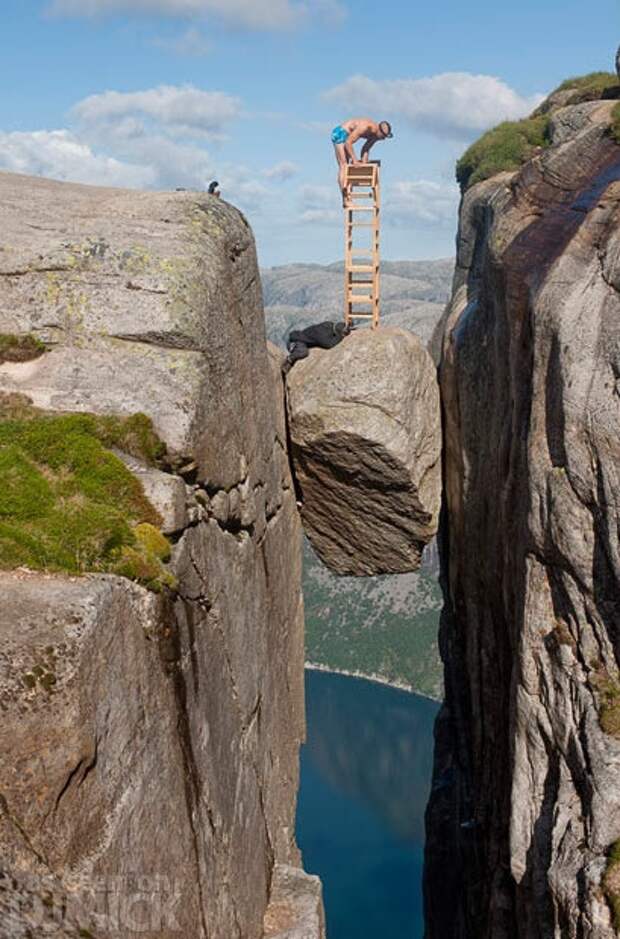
413, 295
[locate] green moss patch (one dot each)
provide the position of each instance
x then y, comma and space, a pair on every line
611, 883
19, 348
563, 634
69, 504
133, 434
609, 702
615, 123
590, 87
505, 148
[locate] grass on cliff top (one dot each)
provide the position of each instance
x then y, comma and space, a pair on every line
19, 348
68, 504
506, 147
589, 87
501, 149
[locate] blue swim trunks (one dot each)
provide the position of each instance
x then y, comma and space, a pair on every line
339, 134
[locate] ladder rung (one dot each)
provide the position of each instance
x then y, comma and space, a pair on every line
361, 268
354, 299
362, 208
358, 252
361, 316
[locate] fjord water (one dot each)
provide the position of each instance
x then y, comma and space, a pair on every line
365, 781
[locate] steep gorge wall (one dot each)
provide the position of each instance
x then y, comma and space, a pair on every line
526, 795
150, 743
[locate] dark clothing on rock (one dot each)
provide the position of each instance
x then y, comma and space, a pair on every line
322, 336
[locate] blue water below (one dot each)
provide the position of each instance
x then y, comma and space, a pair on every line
365, 780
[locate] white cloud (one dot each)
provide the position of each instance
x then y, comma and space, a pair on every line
148, 162
59, 154
181, 109
316, 127
422, 201
249, 14
319, 197
406, 203
281, 171
320, 216
173, 163
319, 205
246, 194
147, 139
190, 43
453, 104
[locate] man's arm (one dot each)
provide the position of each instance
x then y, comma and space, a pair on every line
370, 142
353, 136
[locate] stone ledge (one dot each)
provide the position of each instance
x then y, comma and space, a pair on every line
295, 909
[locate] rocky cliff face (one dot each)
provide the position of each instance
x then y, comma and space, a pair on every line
525, 810
150, 742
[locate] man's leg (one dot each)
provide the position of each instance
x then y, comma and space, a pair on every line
297, 350
341, 158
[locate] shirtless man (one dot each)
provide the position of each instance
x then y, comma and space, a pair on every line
346, 134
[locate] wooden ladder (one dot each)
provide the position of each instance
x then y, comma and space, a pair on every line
361, 261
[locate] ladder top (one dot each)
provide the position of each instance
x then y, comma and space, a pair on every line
358, 172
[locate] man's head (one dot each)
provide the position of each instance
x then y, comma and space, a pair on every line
385, 129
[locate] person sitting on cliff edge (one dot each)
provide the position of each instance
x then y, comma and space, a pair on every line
346, 134
318, 336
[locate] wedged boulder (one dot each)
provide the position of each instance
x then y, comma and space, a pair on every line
365, 428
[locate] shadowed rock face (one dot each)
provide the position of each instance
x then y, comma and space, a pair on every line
366, 442
150, 743
526, 797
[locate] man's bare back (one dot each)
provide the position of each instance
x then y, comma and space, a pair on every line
345, 136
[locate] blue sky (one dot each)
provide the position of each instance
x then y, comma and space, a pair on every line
166, 93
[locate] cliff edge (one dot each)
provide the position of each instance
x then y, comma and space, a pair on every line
150, 737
